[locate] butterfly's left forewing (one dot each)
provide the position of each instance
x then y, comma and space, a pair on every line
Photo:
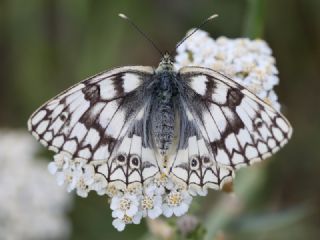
92, 121
237, 127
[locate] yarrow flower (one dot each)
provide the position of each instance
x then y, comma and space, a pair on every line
126, 205
176, 203
249, 62
120, 223
125, 210
151, 202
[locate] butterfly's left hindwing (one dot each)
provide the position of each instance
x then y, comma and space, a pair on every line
237, 127
92, 121
193, 166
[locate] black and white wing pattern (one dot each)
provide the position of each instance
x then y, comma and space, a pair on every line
94, 120
193, 164
236, 126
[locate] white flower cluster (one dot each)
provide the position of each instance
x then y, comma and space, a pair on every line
249, 62
152, 201
159, 197
32, 206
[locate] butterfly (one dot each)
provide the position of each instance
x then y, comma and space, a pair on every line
194, 125
138, 124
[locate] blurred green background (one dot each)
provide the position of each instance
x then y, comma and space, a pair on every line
48, 45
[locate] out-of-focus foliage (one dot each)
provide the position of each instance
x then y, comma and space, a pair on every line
48, 45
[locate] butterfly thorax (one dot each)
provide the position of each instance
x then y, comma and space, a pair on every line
163, 112
166, 64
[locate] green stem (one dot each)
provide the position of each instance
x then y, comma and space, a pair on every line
247, 184
254, 23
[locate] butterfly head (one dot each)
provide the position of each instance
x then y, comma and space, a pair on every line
166, 63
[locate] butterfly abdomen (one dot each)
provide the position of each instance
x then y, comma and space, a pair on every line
163, 114
163, 126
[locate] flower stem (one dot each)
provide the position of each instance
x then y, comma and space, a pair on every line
254, 23
230, 206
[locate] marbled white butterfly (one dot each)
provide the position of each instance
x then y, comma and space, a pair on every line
139, 124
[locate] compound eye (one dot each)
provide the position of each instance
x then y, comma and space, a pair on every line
194, 163
206, 161
121, 159
134, 161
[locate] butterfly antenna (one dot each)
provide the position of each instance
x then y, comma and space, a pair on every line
196, 29
140, 31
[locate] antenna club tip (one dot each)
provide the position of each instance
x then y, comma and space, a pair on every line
122, 16
213, 16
